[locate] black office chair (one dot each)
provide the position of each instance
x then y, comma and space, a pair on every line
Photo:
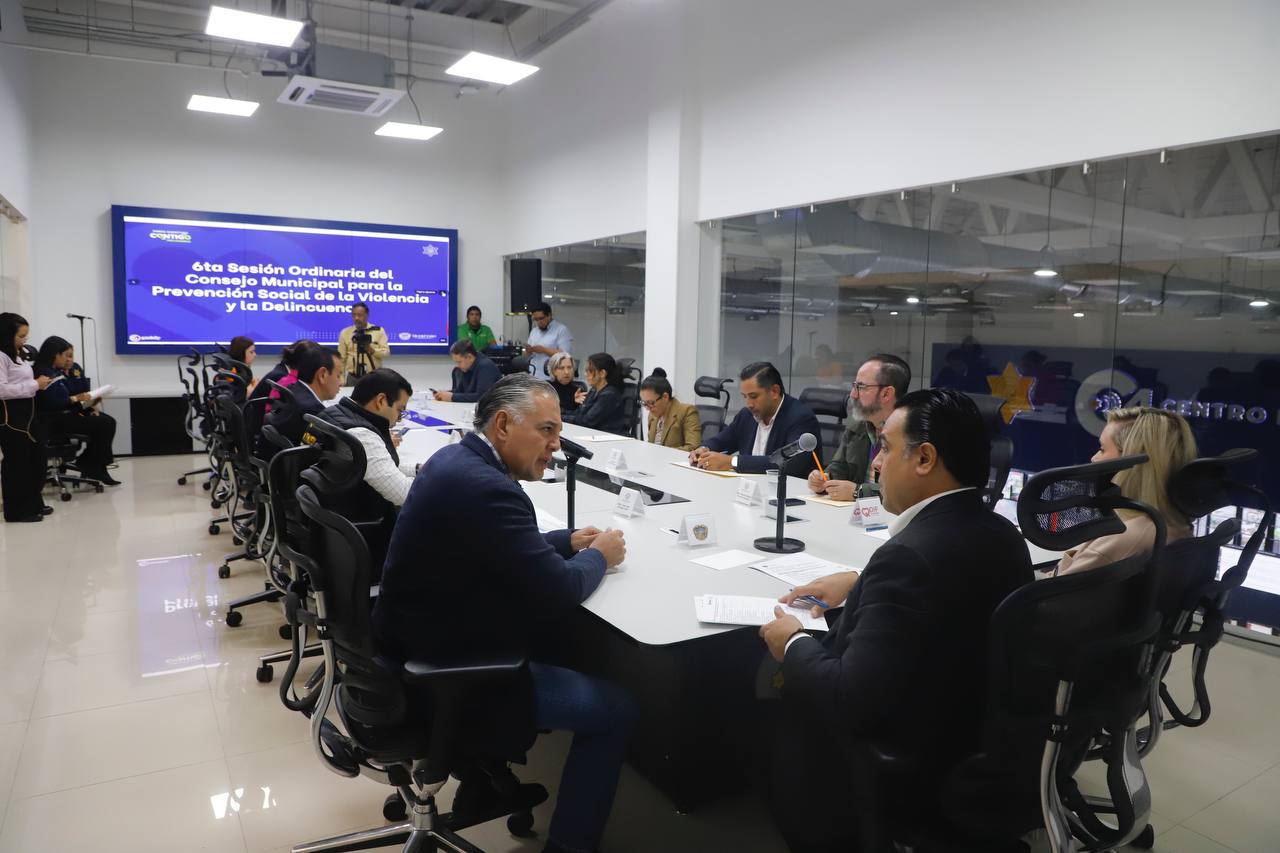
60, 453
521, 364
828, 402
629, 370
245, 475
631, 407
1192, 599
388, 736
196, 423
1001, 447
713, 417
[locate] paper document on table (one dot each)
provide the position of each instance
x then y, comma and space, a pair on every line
882, 533
749, 610
705, 471
725, 559
799, 569
823, 499
548, 522
606, 436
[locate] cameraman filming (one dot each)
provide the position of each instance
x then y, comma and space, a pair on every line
362, 347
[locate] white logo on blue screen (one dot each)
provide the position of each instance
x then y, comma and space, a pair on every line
430, 251
405, 336
410, 336
170, 235
135, 337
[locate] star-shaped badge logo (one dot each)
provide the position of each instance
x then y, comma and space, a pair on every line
1015, 389
430, 251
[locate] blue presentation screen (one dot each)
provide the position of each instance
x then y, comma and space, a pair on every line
191, 279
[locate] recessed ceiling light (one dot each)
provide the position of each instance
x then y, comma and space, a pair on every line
223, 106
893, 313
1046, 272
1259, 303
913, 300
401, 130
1078, 314
249, 26
491, 69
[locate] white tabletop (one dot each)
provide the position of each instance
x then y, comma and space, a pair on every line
651, 598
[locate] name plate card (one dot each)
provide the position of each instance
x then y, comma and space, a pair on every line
697, 530
617, 461
629, 504
869, 514
748, 493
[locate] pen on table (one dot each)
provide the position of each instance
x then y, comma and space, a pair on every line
819, 464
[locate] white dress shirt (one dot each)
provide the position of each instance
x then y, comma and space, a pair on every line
556, 337
381, 472
16, 379
760, 448
895, 527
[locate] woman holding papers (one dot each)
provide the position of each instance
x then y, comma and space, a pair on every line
22, 469
66, 407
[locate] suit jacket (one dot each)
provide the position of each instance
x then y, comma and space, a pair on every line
468, 385
682, 428
792, 420
603, 409
904, 665
467, 538
305, 402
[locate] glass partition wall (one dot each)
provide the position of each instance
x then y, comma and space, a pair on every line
1149, 279
596, 288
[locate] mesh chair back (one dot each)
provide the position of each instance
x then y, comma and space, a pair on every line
521, 364
827, 402
713, 417
1001, 464
284, 475
631, 407
1064, 507
713, 388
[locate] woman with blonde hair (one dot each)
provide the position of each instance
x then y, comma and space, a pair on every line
1165, 437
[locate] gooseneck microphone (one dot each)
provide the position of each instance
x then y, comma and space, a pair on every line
572, 449
806, 443
71, 316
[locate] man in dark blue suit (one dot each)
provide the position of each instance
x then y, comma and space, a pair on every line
469, 574
319, 380
768, 420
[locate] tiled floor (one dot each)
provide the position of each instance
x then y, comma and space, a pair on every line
130, 718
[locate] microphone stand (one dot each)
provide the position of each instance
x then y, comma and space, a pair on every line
572, 453
777, 543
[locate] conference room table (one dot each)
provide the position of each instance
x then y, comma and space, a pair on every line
694, 680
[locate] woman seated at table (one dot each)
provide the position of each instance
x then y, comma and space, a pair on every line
62, 412
671, 423
562, 369
243, 350
1165, 437
602, 407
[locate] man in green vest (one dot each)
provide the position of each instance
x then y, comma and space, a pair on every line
480, 335
881, 381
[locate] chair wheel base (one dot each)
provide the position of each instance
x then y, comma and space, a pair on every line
65, 496
182, 481
214, 530
520, 824
234, 617
1146, 839
236, 540
206, 485
264, 674
224, 571
286, 632
393, 809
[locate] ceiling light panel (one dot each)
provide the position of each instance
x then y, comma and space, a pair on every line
490, 69
248, 26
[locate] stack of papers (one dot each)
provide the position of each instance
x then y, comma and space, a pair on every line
725, 559
749, 610
683, 464
823, 499
799, 569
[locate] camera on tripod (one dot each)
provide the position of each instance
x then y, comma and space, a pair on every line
361, 339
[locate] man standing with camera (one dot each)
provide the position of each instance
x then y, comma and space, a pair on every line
362, 347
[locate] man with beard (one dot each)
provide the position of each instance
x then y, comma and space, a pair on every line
882, 380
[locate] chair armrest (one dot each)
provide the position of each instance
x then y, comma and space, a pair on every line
494, 667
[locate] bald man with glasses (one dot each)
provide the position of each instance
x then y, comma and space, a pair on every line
881, 381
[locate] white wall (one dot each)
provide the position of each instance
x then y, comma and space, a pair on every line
15, 108
118, 133
826, 99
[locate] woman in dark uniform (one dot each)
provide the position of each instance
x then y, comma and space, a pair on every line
64, 409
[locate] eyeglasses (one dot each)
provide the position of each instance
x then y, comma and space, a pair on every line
648, 404
859, 387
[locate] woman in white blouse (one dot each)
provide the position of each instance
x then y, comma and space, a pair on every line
22, 471
1165, 437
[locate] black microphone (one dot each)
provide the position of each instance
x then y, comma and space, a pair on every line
78, 317
573, 450
806, 443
